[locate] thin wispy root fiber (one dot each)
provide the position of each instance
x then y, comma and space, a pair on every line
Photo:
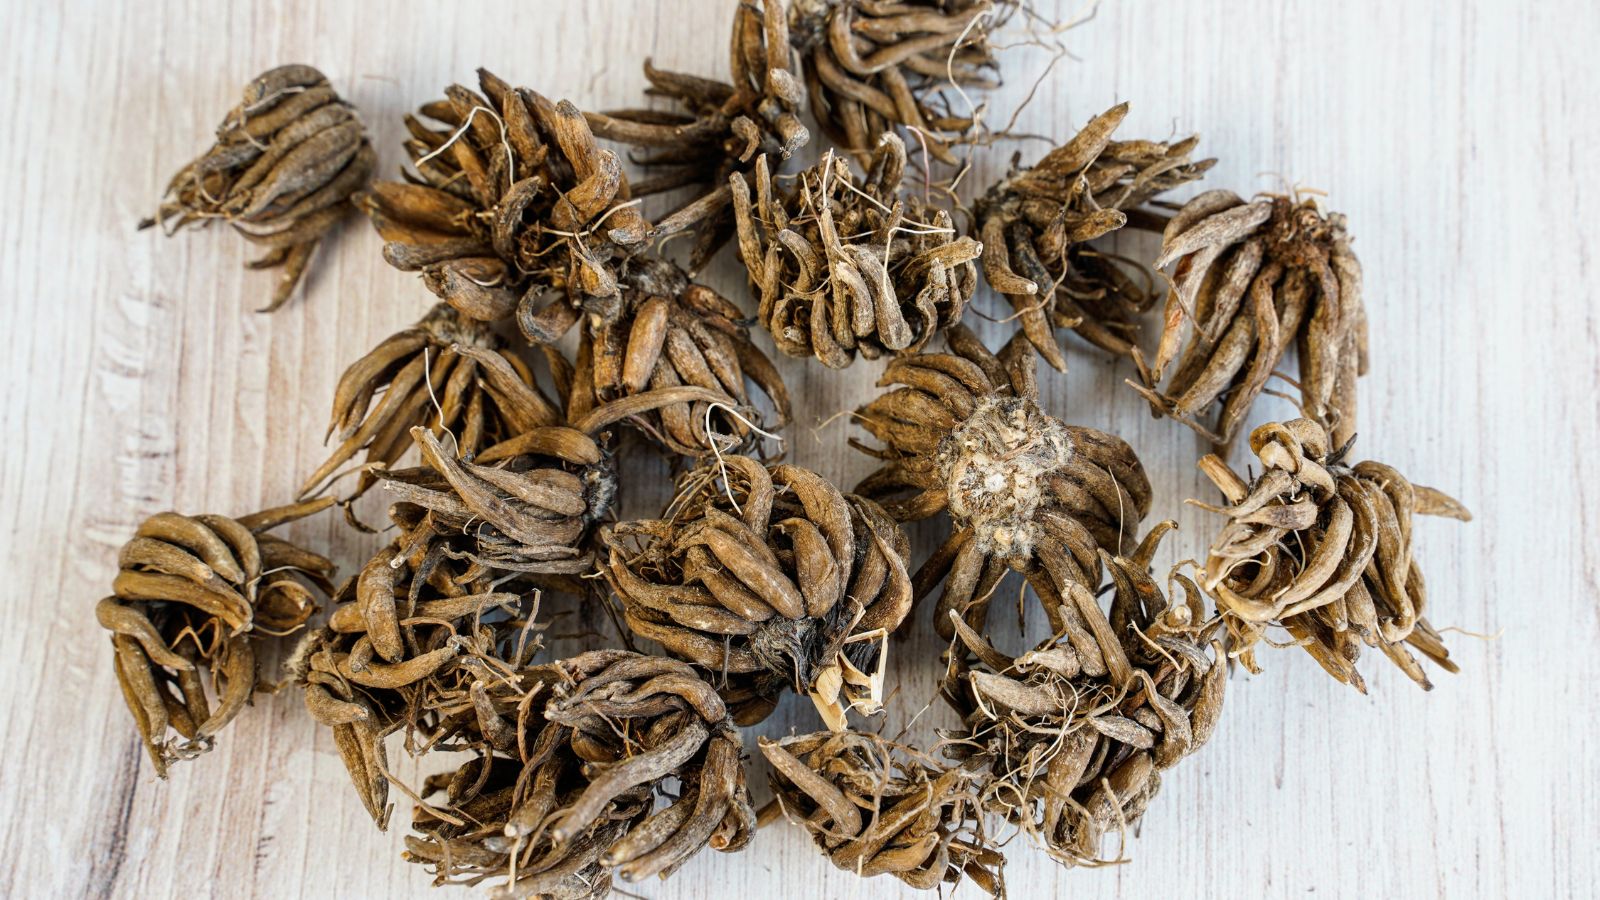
1250, 280
872, 67
847, 266
963, 433
286, 161
1322, 548
1036, 225
1077, 731
876, 807
193, 600
770, 579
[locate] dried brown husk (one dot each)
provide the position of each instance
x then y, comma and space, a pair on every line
876, 807
511, 200
1322, 548
569, 760
673, 359
720, 129
1037, 224
195, 600
846, 265
1077, 731
1250, 280
872, 67
963, 432
770, 579
285, 162
448, 373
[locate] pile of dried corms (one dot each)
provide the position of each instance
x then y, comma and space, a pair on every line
761, 578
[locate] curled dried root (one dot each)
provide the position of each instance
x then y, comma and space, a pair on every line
195, 596
847, 266
876, 807
1077, 731
1323, 548
721, 129
873, 67
769, 578
1037, 223
285, 162
448, 373
963, 433
1248, 281
571, 758
511, 200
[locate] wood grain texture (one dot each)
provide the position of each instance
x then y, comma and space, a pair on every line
1459, 137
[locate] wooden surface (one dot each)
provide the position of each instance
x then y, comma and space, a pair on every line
1459, 137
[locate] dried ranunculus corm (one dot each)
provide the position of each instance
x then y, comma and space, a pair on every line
876, 807
1076, 732
1322, 548
411, 629
963, 432
1250, 279
770, 579
569, 760
285, 162
194, 596
674, 359
448, 372
512, 203
1036, 225
871, 67
848, 266
721, 128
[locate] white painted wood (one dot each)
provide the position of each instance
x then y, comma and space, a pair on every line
1459, 137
